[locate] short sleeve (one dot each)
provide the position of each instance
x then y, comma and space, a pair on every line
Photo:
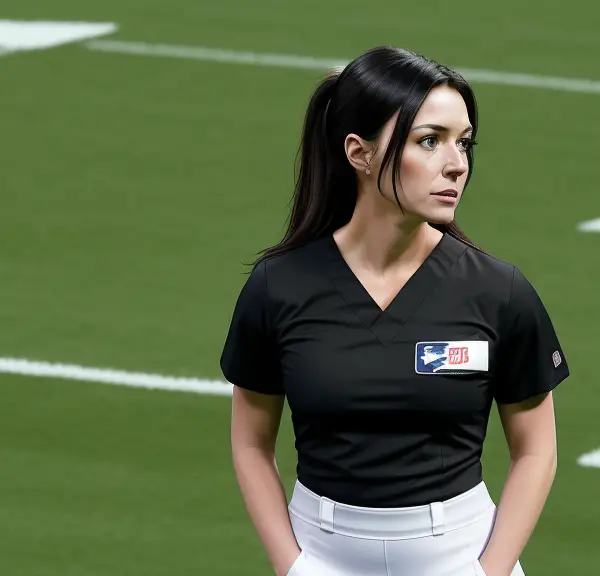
531, 360
249, 358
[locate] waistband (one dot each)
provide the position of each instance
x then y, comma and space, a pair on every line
391, 523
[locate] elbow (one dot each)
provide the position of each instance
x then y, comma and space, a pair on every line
545, 463
552, 460
241, 449
551, 467
244, 450
554, 463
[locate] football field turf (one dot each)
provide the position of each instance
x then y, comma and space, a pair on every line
133, 188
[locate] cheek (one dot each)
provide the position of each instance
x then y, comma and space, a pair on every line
416, 172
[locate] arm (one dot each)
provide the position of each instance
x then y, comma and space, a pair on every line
531, 436
254, 427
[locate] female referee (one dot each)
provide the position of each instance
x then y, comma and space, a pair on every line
390, 334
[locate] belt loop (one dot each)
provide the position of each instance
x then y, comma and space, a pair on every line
326, 508
438, 523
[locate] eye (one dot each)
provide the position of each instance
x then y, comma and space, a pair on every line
429, 142
466, 143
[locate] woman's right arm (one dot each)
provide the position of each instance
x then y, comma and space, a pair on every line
255, 424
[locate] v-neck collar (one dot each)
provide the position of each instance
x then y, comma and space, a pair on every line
385, 324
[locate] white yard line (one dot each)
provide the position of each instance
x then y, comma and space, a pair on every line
110, 376
589, 226
25, 35
200, 53
590, 460
25, 367
213, 55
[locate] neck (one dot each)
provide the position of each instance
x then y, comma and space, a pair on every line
382, 244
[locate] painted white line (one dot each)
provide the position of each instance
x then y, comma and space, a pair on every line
213, 55
590, 460
589, 226
116, 377
19, 35
24, 367
308, 63
578, 85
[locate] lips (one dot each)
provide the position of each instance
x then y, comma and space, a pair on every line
448, 193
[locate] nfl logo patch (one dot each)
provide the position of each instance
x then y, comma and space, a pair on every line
556, 359
451, 357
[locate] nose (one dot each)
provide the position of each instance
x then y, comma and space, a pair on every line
456, 163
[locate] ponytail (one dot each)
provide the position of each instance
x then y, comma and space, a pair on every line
315, 209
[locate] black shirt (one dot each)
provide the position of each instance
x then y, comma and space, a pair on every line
390, 408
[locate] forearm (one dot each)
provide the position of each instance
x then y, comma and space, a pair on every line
266, 503
525, 492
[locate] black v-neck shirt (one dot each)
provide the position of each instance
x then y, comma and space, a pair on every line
390, 407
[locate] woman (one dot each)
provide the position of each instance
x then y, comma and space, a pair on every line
391, 335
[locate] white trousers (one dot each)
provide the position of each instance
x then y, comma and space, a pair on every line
438, 539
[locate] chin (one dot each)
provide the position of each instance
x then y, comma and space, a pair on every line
445, 217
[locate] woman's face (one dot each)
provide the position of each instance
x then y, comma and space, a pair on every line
433, 166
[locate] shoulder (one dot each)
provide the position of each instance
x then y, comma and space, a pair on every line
284, 273
501, 270
504, 281
489, 264
481, 275
268, 269
249, 352
530, 360
490, 277
292, 260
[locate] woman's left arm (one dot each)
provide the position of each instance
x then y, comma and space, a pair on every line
530, 432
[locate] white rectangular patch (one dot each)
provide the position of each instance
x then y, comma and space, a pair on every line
443, 357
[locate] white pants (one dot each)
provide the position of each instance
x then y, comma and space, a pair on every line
438, 539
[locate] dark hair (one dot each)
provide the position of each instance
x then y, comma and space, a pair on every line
360, 99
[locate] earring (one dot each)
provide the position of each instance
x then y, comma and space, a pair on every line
367, 171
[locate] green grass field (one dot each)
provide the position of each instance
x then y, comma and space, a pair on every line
132, 190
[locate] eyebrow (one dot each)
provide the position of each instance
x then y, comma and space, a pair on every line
440, 128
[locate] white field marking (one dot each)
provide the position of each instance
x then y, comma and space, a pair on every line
590, 460
116, 377
24, 367
589, 226
213, 55
309, 63
24, 35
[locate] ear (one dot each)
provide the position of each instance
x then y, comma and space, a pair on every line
358, 151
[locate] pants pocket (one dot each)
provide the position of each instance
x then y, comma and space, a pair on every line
296, 567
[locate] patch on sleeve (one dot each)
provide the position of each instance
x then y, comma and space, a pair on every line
556, 359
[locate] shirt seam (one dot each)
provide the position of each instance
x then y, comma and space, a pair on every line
270, 333
502, 332
268, 308
369, 328
443, 467
509, 302
431, 290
